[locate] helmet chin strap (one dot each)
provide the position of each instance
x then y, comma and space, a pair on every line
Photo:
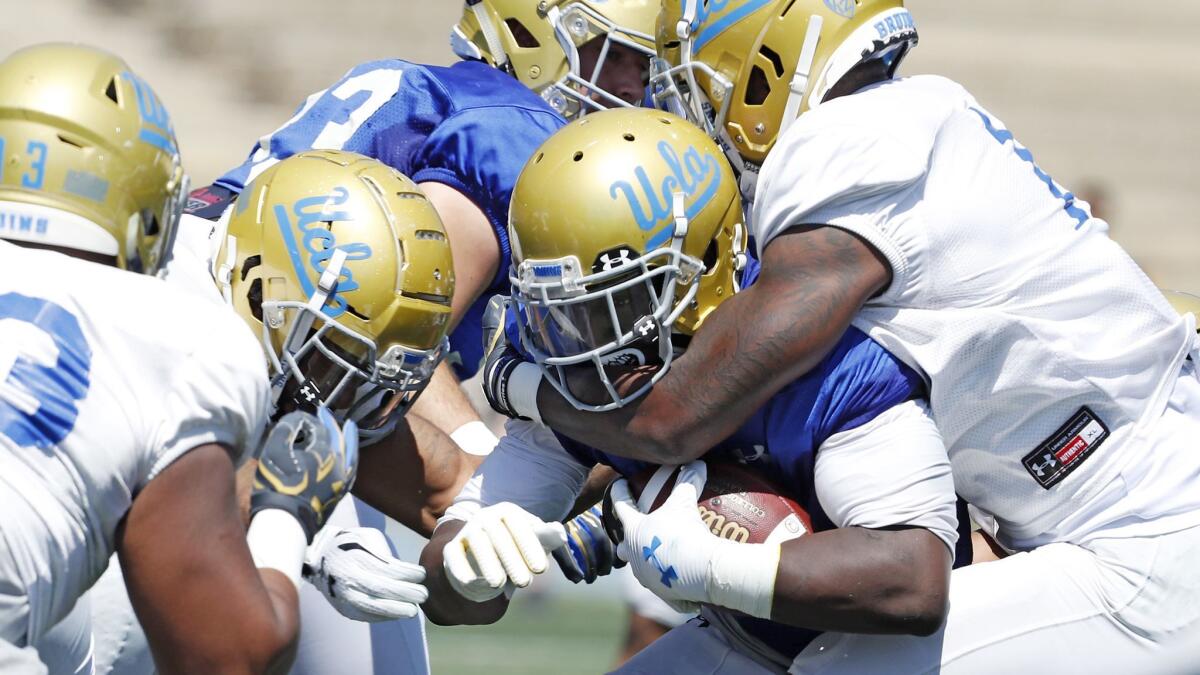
679, 209
490, 35
326, 286
799, 83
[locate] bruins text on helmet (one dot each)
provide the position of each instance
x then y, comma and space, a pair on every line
343, 266
626, 226
90, 160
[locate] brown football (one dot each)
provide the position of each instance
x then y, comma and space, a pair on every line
738, 503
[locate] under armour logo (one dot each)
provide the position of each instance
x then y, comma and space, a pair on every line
668, 573
308, 394
1048, 462
611, 260
644, 327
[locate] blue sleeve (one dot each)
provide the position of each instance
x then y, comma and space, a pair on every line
480, 152
466, 340
861, 380
352, 115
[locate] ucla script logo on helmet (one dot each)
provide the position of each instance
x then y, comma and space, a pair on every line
156, 123
319, 244
697, 175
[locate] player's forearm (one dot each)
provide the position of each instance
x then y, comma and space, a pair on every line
445, 606
443, 403
813, 283
864, 581
414, 474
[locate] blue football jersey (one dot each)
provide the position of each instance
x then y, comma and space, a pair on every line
468, 126
856, 382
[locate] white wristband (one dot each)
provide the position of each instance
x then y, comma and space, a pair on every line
523, 386
475, 438
277, 541
742, 577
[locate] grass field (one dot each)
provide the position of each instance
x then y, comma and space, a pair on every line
561, 634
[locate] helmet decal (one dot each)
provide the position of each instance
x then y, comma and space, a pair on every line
319, 244
841, 7
721, 25
156, 123
696, 175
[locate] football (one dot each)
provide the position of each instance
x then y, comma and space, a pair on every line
738, 503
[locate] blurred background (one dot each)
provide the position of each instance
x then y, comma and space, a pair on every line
1106, 94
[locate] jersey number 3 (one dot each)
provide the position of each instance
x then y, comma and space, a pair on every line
45, 365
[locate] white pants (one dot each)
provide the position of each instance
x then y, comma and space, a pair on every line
1109, 607
330, 644
695, 648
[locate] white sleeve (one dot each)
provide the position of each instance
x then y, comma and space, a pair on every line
893, 470
529, 468
218, 394
851, 175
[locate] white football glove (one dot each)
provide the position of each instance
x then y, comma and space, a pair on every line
674, 554
355, 570
500, 547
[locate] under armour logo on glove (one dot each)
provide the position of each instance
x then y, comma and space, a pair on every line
668, 573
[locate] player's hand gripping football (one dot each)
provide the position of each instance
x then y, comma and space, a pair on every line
673, 553
307, 465
500, 359
667, 549
355, 570
501, 547
589, 552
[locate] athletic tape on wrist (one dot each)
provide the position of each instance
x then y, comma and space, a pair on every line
742, 577
475, 438
523, 386
277, 541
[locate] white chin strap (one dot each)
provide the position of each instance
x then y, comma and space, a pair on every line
800, 79
490, 35
326, 286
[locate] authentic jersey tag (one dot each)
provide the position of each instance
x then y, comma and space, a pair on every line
209, 202
1066, 449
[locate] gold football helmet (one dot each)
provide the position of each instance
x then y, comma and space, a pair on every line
344, 268
626, 226
538, 43
745, 69
90, 160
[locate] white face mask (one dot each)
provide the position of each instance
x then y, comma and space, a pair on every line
607, 318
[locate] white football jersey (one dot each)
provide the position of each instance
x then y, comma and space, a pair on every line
1049, 353
106, 377
190, 265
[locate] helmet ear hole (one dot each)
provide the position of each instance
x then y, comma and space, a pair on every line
710, 257
521, 35
757, 88
251, 262
149, 223
254, 297
111, 91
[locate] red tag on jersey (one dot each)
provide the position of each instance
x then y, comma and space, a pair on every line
209, 202
1066, 449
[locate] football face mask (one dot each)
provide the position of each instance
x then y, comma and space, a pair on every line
615, 317
313, 368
